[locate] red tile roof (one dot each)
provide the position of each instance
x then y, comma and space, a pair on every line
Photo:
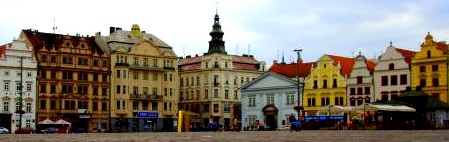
2, 50
370, 65
245, 62
345, 63
408, 55
240, 66
290, 70
442, 46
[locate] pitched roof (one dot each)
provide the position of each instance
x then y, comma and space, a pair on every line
345, 63
190, 63
239, 63
408, 55
370, 65
442, 46
2, 50
40, 40
264, 75
291, 70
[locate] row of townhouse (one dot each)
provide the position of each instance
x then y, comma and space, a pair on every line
342, 81
127, 81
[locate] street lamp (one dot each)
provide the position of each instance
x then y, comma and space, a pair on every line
300, 106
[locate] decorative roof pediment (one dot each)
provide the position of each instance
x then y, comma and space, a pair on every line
269, 80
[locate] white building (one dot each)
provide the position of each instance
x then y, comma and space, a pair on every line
18, 71
269, 99
360, 84
392, 73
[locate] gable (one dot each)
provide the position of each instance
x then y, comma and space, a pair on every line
145, 48
269, 80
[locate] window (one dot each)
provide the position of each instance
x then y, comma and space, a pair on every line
135, 90
215, 108
435, 82
352, 102
367, 90
6, 85
270, 99
391, 66
104, 106
226, 64
83, 104
227, 108
67, 75
28, 87
53, 88
290, 99
154, 106
104, 91
226, 94
118, 73
29, 74
82, 89
43, 58
67, 60
422, 68
206, 94
422, 82
69, 104
53, 59
95, 63
118, 88
403, 79
359, 91
43, 88
52, 104
117, 105
53, 74
83, 76
154, 76
154, 62
136, 75
83, 61
136, 61
311, 102
428, 54
338, 101
18, 86
394, 80
384, 80
6, 106
315, 84
325, 101
95, 91
145, 62
95, 77
325, 83
434, 68
145, 105
236, 97
359, 79
206, 108
145, 75
215, 93
352, 91
252, 101
136, 105
105, 78
18, 106
28, 123
171, 92
334, 83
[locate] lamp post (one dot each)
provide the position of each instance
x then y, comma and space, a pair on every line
300, 107
21, 96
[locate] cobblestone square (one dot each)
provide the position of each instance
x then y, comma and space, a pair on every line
252, 136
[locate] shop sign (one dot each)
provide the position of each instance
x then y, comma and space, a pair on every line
147, 114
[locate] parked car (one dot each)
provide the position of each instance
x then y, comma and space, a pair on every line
3, 130
25, 130
50, 130
80, 130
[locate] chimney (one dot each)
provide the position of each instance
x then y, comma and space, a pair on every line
143, 32
111, 30
196, 55
98, 34
188, 56
118, 29
275, 61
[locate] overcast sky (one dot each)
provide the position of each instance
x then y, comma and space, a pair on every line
263, 28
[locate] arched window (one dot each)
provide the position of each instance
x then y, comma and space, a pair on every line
428, 54
17, 106
391, 66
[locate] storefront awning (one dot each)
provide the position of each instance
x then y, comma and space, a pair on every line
385, 107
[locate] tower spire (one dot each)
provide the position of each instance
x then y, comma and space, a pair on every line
216, 44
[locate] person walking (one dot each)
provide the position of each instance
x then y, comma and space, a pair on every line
292, 120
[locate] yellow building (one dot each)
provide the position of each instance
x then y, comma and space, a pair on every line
429, 68
209, 84
144, 81
326, 84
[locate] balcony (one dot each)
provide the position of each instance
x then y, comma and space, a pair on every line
147, 67
145, 97
169, 68
121, 112
121, 64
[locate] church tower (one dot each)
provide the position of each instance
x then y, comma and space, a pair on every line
216, 44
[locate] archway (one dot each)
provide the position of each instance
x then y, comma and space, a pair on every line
271, 113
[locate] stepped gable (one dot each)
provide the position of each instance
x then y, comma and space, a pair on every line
290, 70
345, 63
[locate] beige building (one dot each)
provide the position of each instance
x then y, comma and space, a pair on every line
143, 81
209, 84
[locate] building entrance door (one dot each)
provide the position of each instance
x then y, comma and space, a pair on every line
270, 112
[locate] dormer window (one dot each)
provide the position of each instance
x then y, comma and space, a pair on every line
82, 45
428, 54
67, 44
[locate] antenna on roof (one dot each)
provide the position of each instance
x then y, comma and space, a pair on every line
54, 26
249, 49
352, 54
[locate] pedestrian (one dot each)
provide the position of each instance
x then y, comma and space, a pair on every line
292, 120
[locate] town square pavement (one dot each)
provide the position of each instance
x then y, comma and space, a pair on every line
247, 136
